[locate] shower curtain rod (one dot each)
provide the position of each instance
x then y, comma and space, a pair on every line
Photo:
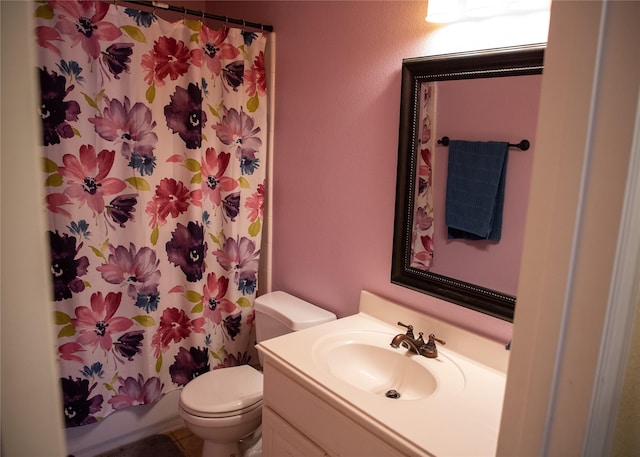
200, 14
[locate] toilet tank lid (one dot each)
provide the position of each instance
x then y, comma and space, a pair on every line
293, 312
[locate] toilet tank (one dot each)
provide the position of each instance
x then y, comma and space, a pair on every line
278, 313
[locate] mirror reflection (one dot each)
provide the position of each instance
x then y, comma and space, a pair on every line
463, 177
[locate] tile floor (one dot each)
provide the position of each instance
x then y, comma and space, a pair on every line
190, 444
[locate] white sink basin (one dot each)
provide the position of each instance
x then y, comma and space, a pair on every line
364, 359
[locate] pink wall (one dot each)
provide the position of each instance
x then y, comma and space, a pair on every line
337, 107
493, 109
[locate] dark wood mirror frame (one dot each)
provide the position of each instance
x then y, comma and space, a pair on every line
514, 61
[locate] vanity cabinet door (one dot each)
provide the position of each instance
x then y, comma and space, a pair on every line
313, 417
280, 439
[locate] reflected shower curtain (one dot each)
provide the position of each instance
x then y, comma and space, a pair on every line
154, 144
422, 229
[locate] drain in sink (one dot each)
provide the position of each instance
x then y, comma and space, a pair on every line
392, 394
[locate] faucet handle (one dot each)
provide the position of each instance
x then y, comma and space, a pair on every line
409, 329
429, 349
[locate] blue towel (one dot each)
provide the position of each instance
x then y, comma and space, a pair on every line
475, 189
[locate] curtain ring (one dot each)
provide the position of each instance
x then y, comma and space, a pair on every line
243, 25
202, 18
184, 14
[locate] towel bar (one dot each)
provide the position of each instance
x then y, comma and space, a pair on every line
524, 144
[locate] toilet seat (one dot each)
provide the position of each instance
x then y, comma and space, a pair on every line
223, 393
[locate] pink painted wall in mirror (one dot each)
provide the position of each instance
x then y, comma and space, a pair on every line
492, 109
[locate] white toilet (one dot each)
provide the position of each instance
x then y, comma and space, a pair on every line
223, 406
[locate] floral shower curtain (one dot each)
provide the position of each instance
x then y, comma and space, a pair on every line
154, 137
422, 231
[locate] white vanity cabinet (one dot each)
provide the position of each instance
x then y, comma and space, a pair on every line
325, 389
297, 422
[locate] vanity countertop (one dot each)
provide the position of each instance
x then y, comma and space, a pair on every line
462, 417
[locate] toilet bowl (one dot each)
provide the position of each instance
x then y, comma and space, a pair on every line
224, 406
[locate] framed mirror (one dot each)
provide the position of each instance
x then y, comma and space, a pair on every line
484, 96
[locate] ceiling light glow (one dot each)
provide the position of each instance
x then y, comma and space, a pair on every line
446, 11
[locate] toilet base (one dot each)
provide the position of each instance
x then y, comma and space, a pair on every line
221, 436
213, 449
249, 446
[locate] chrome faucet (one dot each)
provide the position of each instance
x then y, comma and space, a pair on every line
416, 345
